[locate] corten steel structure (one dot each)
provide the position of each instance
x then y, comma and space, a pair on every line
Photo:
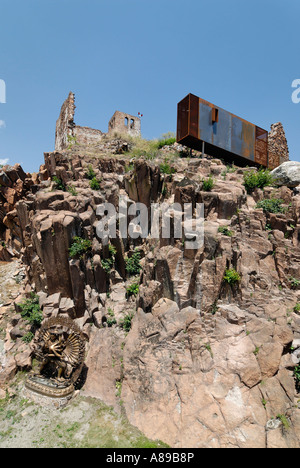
205, 127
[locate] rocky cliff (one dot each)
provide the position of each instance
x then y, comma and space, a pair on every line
200, 347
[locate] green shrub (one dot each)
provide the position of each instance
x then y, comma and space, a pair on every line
259, 179
108, 263
79, 247
133, 266
112, 250
297, 377
111, 320
72, 190
207, 184
297, 308
90, 174
225, 231
294, 282
166, 142
31, 311
129, 167
28, 337
232, 276
126, 322
165, 168
132, 290
147, 149
59, 185
274, 205
229, 170
284, 420
95, 184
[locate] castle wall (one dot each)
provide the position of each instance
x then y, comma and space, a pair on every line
67, 132
278, 146
65, 123
125, 124
86, 135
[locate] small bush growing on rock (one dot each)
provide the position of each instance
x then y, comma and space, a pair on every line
259, 179
112, 250
132, 290
232, 276
284, 420
274, 205
225, 231
90, 174
111, 320
294, 282
108, 263
28, 337
31, 311
59, 185
133, 266
208, 184
72, 190
141, 148
165, 168
95, 184
167, 139
126, 322
297, 377
129, 167
297, 308
79, 247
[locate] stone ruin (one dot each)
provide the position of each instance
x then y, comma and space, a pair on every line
278, 146
67, 131
125, 123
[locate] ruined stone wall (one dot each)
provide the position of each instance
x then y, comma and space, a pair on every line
67, 132
278, 147
65, 123
86, 135
125, 124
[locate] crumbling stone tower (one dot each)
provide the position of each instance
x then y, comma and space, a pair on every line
125, 124
278, 146
65, 123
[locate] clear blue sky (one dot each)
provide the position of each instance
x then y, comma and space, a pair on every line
143, 56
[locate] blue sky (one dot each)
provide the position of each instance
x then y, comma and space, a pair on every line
143, 56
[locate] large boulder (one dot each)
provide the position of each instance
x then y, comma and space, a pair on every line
287, 174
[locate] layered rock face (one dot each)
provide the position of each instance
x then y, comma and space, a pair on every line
14, 185
196, 361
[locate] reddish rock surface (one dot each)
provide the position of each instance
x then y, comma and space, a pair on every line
192, 360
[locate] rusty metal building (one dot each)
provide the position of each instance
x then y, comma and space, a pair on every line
208, 128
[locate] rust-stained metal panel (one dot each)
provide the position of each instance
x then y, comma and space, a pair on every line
261, 147
225, 135
194, 116
183, 110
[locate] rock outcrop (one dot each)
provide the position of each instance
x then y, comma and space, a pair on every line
194, 360
288, 174
14, 186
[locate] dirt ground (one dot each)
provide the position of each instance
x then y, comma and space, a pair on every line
83, 423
